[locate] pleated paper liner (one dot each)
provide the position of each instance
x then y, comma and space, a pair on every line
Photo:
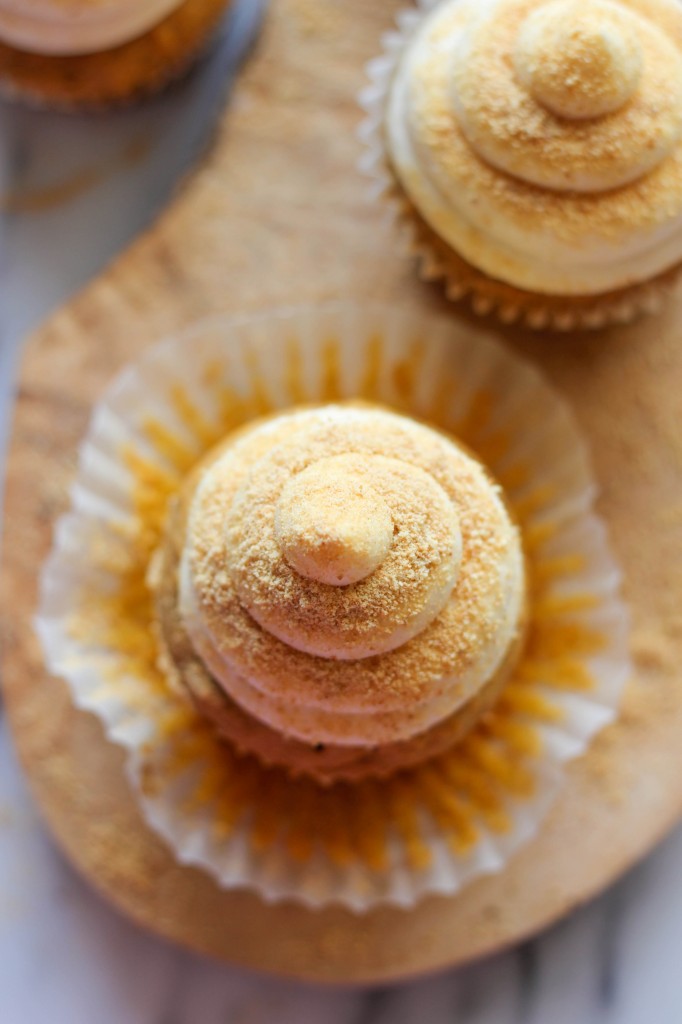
437, 261
427, 830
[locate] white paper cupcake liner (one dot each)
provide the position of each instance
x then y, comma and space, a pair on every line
432, 829
437, 262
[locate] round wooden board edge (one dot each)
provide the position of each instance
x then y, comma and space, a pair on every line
50, 792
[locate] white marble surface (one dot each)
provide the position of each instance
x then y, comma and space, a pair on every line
66, 957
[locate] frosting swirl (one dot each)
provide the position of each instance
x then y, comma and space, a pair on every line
542, 138
348, 576
69, 27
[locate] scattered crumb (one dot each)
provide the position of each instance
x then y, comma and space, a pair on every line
671, 514
316, 18
613, 786
651, 650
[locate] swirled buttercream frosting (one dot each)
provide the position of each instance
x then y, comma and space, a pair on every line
61, 27
347, 576
542, 139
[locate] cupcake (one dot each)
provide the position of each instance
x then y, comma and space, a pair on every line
340, 590
91, 53
333, 579
534, 147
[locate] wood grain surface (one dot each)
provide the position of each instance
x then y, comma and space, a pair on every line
277, 215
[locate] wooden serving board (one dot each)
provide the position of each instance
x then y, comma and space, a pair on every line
278, 215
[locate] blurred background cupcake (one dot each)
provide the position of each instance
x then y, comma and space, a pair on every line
91, 53
533, 148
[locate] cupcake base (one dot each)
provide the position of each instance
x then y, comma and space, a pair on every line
116, 76
604, 820
511, 305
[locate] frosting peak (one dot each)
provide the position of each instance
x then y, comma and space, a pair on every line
332, 526
580, 59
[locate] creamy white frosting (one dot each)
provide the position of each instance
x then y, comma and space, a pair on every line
493, 180
69, 27
280, 688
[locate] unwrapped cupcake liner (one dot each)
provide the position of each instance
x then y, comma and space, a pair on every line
437, 261
427, 830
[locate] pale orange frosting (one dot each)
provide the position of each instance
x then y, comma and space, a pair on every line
437, 575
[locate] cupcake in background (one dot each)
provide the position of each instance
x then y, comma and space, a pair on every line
94, 53
534, 149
